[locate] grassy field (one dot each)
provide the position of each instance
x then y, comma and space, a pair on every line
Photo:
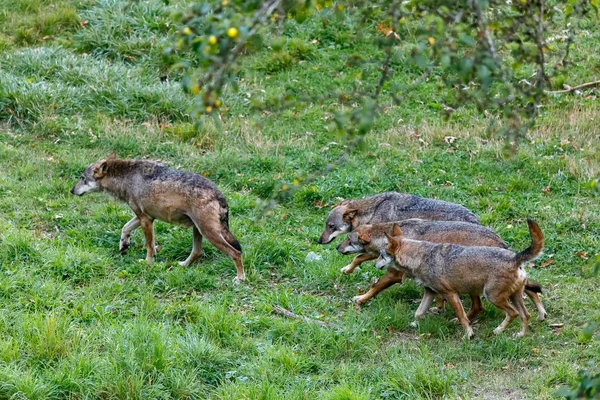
81, 79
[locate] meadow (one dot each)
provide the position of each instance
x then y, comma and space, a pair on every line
81, 78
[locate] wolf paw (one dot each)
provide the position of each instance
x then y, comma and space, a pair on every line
541, 316
358, 300
498, 331
347, 270
519, 335
469, 334
123, 247
237, 280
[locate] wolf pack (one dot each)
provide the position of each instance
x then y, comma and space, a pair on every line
441, 246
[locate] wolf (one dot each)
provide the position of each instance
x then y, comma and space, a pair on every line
154, 191
450, 270
387, 207
370, 240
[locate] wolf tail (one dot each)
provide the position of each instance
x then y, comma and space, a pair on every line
537, 243
227, 235
225, 232
533, 286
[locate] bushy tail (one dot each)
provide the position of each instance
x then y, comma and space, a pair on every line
231, 239
533, 286
537, 243
225, 232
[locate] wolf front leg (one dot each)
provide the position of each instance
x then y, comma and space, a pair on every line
129, 227
454, 301
426, 301
392, 276
147, 224
359, 259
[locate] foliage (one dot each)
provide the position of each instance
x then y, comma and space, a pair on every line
501, 56
588, 386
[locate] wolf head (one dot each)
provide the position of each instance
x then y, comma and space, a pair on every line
387, 256
89, 181
338, 222
356, 241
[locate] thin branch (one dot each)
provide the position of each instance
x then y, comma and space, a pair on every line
288, 314
570, 89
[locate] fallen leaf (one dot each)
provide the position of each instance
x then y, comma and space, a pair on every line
319, 204
387, 31
546, 263
449, 139
582, 254
546, 190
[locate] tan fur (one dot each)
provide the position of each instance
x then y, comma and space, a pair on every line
154, 191
369, 240
451, 270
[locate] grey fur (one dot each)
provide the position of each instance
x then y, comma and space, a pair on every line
388, 207
154, 191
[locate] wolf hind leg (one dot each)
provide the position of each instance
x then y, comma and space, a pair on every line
535, 298
215, 232
476, 307
500, 300
517, 299
196, 248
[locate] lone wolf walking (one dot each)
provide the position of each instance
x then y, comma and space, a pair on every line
154, 191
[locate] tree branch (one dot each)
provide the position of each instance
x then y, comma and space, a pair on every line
574, 88
288, 314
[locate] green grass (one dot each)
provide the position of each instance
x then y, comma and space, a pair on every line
78, 320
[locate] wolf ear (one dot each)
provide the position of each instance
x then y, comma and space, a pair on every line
365, 237
349, 215
393, 244
396, 231
100, 170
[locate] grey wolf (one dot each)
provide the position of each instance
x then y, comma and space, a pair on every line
154, 191
370, 240
450, 270
387, 207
